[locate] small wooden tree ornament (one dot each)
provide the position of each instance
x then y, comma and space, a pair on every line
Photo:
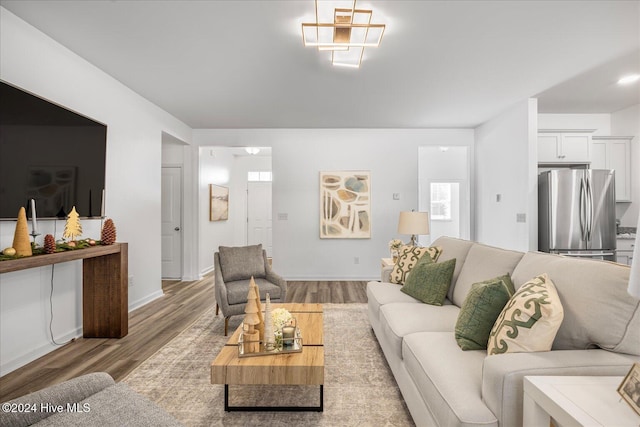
251, 335
260, 326
72, 228
21, 236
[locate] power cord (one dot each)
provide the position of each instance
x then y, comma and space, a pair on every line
53, 340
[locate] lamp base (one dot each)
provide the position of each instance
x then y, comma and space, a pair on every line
414, 240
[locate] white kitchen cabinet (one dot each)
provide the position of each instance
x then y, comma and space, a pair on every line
624, 251
563, 147
614, 152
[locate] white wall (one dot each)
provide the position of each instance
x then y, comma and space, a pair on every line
298, 155
627, 123
31, 60
600, 122
505, 164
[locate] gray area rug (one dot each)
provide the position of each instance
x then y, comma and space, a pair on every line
359, 388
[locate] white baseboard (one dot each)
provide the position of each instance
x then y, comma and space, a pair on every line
29, 357
206, 270
146, 300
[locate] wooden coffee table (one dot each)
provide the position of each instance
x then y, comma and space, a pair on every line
305, 368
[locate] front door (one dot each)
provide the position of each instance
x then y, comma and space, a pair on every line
259, 217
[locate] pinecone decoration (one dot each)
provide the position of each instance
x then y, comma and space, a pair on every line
108, 235
49, 244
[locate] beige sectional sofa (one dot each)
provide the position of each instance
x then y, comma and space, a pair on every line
445, 386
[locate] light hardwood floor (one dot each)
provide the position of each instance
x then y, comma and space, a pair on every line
150, 328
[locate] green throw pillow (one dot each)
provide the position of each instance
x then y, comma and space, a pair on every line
479, 311
429, 282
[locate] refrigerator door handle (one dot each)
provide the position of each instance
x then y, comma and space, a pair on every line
589, 213
583, 210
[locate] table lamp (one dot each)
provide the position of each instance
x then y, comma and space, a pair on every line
413, 223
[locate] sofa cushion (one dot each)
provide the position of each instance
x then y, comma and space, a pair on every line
401, 319
479, 312
482, 263
237, 291
241, 262
408, 257
429, 282
458, 249
380, 293
449, 379
582, 285
529, 321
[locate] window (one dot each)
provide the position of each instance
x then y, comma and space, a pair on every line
441, 201
264, 176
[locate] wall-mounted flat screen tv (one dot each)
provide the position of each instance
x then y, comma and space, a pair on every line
50, 154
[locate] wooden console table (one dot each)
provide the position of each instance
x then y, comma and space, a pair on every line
105, 291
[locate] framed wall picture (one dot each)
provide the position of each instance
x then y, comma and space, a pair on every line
345, 205
630, 388
218, 203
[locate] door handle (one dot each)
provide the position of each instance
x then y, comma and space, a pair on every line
177, 228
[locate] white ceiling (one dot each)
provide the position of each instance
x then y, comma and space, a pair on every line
241, 64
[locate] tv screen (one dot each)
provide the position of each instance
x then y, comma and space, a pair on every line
49, 154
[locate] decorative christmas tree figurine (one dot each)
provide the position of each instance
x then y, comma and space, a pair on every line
269, 337
49, 244
21, 236
260, 326
108, 235
72, 228
251, 335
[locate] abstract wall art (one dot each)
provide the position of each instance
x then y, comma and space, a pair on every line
345, 205
218, 203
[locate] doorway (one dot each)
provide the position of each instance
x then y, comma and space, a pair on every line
444, 191
171, 212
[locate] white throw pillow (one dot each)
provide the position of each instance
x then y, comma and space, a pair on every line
530, 320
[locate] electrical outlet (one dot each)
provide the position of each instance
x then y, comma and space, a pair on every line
130, 281
356, 260
521, 217
396, 196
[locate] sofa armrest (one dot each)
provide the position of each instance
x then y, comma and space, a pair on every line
71, 391
502, 375
385, 275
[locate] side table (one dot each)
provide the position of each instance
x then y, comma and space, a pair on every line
575, 401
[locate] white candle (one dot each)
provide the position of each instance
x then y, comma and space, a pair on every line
102, 205
34, 223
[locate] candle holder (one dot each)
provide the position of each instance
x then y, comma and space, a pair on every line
34, 234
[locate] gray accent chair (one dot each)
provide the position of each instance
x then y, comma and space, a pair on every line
89, 400
234, 267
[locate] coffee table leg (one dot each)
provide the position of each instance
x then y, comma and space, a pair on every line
319, 408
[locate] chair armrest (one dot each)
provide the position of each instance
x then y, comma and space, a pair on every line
274, 278
72, 391
502, 375
220, 288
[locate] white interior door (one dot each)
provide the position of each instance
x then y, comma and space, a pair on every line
171, 223
259, 217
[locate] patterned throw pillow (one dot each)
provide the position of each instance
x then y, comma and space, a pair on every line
530, 320
479, 311
429, 282
408, 257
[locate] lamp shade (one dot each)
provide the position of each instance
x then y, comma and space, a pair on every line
413, 223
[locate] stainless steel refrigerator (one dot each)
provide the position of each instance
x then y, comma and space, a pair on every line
577, 213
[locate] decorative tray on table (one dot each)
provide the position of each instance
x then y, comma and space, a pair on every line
281, 346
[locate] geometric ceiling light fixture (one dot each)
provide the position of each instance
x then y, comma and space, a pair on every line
344, 31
